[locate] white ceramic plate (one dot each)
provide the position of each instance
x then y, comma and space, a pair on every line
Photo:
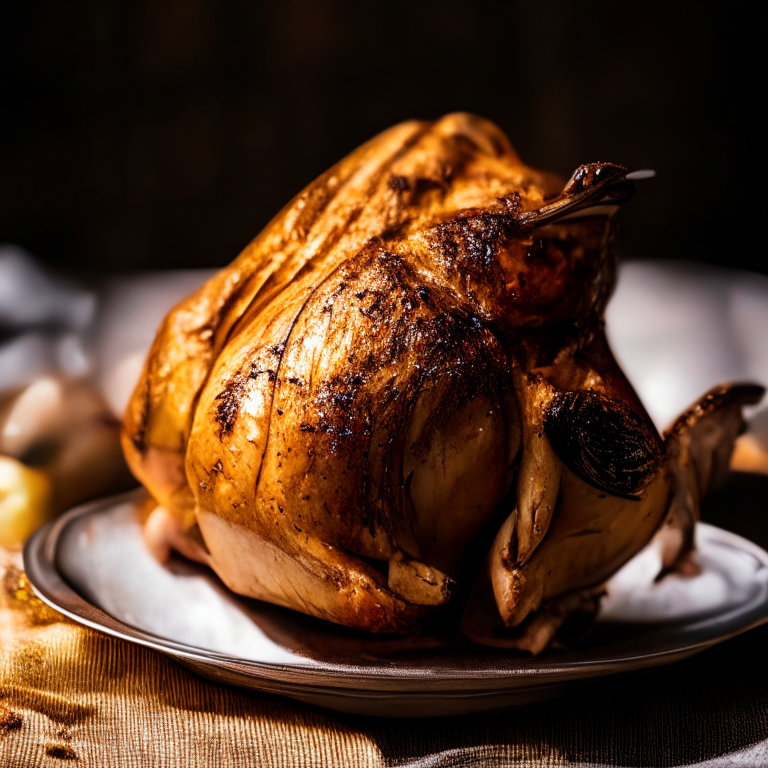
91, 564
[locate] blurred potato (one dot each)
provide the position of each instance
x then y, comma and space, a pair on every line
59, 446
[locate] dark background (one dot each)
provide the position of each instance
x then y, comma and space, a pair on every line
166, 133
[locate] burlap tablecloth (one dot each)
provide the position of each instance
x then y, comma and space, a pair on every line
71, 694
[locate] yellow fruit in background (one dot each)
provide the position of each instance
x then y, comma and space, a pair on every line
25, 501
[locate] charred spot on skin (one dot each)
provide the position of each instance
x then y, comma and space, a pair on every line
512, 202
255, 372
472, 241
399, 183
410, 191
229, 399
603, 442
342, 418
227, 409
331, 301
373, 304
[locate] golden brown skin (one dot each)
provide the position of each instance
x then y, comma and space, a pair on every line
407, 362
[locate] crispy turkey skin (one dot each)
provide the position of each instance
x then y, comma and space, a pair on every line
400, 396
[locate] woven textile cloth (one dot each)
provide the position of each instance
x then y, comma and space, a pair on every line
69, 695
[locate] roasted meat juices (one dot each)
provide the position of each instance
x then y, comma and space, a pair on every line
400, 398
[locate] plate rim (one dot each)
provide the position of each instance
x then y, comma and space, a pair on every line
50, 586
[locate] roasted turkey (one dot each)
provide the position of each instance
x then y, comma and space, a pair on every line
399, 401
